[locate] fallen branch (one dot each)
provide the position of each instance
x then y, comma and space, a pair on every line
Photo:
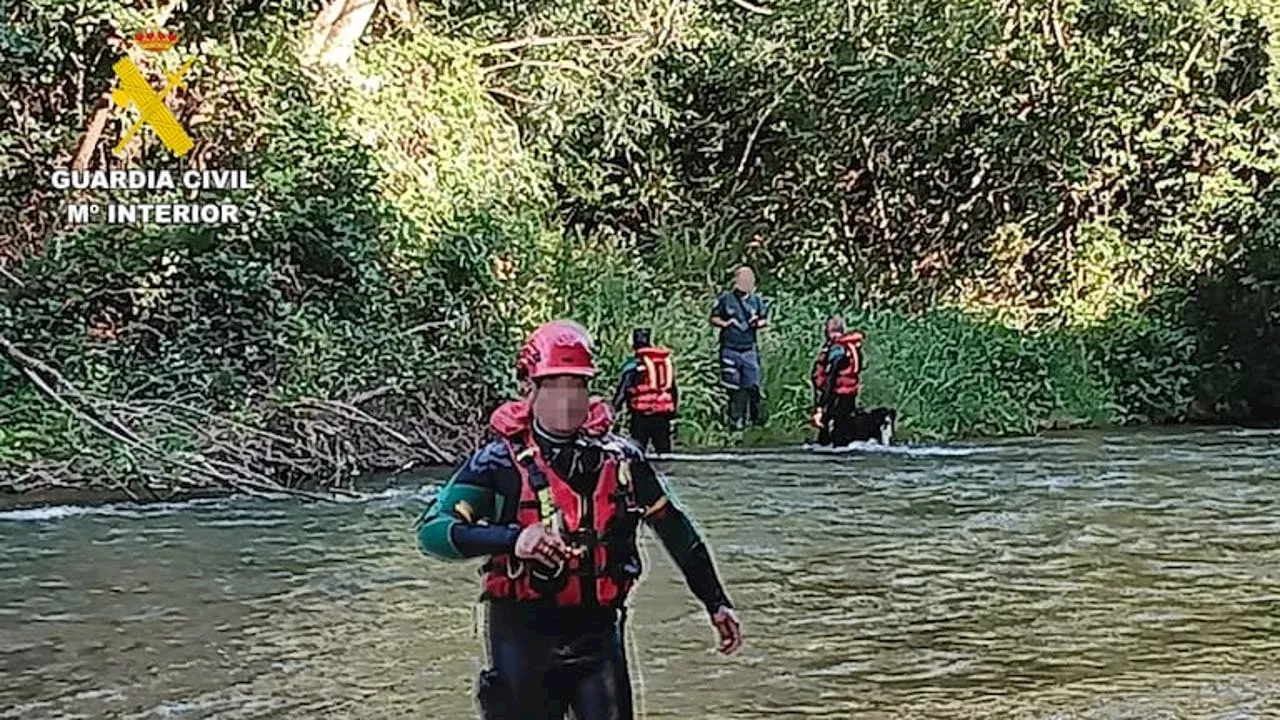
757, 9
251, 431
512, 96
11, 277
27, 366
355, 414
243, 470
197, 465
509, 45
363, 397
443, 456
551, 64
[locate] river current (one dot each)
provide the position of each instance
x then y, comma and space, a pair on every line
1097, 575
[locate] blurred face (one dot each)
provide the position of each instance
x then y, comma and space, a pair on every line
559, 403
835, 328
744, 280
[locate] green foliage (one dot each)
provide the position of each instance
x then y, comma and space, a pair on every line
1044, 213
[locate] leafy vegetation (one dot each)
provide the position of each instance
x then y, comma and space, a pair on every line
1043, 213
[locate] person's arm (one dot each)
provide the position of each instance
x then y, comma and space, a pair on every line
762, 318
675, 397
456, 526
720, 314
625, 383
679, 537
836, 361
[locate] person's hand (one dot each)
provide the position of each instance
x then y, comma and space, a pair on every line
729, 628
541, 543
741, 324
816, 417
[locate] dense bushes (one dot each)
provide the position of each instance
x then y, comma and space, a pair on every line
1042, 213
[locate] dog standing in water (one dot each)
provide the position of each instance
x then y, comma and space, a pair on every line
837, 381
874, 425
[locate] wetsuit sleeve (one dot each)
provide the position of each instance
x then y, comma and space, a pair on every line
836, 361
679, 537
675, 397
625, 383
461, 521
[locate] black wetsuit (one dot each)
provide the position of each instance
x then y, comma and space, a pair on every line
545, 659
838, 411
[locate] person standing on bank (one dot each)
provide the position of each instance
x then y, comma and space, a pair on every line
555, 502
648, 388
740, 313
837, 380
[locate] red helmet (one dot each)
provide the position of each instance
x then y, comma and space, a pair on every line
556, 348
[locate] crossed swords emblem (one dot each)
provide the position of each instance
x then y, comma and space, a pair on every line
134, 89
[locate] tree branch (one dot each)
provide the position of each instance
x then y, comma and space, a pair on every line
512, 96
93, 132
248, 481
10, 276
757, 9
535, 63
746, 151
509, 45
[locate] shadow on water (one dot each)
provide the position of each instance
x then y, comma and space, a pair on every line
1090, 575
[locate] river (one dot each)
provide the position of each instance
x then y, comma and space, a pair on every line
1095, 575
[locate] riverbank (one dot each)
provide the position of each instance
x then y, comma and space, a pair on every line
375, 484
51, 497
1008, 279
949, 375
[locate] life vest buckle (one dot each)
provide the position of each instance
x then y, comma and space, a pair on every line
583, 536
544, 573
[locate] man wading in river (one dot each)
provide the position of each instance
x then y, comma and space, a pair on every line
648, 387
837, 380
739, 313
556, 502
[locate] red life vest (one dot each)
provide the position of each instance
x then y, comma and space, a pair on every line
849, 379
599, 576
652, 394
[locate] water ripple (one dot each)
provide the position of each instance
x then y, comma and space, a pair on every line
1127, 575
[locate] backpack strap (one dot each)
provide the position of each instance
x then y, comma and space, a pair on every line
625, 495
523, 460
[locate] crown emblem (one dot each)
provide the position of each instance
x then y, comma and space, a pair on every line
155, 40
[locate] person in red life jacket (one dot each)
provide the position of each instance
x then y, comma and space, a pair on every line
837, 380
648, 388
555, 502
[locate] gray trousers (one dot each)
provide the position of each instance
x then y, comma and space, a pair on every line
740, 374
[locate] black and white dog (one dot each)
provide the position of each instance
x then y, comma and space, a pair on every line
873, 425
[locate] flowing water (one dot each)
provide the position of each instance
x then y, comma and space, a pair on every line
1129, 575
